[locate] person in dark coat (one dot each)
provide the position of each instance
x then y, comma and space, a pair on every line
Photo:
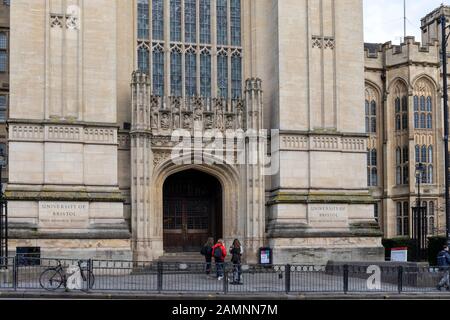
236, 252
443, 260
207, 253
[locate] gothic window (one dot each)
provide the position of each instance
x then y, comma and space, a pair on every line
158, 71
235, 19
398, 123
175, 73
402, 167
143, 59
222, 74
222, 22
191, 73
418, 154
190, 20
372, 171
205, 21
3, 41
3, 107
402, 219
430, 154
158, 19
401, 113
430, 217
423, 153
236, 76
423, 112
143, 19
175, 20
205, 74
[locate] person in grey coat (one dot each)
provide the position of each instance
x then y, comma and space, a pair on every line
443, 260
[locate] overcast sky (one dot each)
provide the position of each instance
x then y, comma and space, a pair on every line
383, 19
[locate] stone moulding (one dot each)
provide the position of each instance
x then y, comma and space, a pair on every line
336, 143
63, 133
289, 230
304, 198
81, 196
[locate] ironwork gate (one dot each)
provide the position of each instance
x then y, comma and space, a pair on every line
420, 231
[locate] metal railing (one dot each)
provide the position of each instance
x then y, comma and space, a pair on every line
23, 273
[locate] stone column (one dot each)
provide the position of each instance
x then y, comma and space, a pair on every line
142, 169
254, 170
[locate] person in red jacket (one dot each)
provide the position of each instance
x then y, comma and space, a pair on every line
219, 253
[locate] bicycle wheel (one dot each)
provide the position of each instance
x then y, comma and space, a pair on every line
51, 279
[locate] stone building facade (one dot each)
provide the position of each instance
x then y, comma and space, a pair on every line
95, 168
404, 119
4, 82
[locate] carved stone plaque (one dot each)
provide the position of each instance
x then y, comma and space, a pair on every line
328, 215
63, 215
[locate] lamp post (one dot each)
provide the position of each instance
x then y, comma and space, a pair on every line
446, 124
419, 217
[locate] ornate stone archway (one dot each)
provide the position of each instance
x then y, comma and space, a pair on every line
154, 121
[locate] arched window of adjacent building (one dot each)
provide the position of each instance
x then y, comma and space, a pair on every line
423, 104
424, 152
367, 117
418, 154
405, 154
405, 174
430, 154
402, 219
431, 219
398, 123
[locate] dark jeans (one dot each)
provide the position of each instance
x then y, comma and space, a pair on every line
208, 267
219, 269
237, 271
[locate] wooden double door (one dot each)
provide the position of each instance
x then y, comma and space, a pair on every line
192, 211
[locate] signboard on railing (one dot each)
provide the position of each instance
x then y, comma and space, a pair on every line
399, 254
265, 256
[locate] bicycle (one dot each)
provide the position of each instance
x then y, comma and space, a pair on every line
53, 278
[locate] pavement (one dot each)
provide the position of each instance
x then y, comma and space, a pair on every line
37, 295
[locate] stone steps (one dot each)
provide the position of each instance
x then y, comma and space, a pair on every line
182, 257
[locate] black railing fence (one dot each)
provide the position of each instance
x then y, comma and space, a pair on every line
25, 273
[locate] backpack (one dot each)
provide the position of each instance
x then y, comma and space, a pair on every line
441, 259
218, 253
203, 251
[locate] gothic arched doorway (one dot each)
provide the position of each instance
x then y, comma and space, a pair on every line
192, 210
